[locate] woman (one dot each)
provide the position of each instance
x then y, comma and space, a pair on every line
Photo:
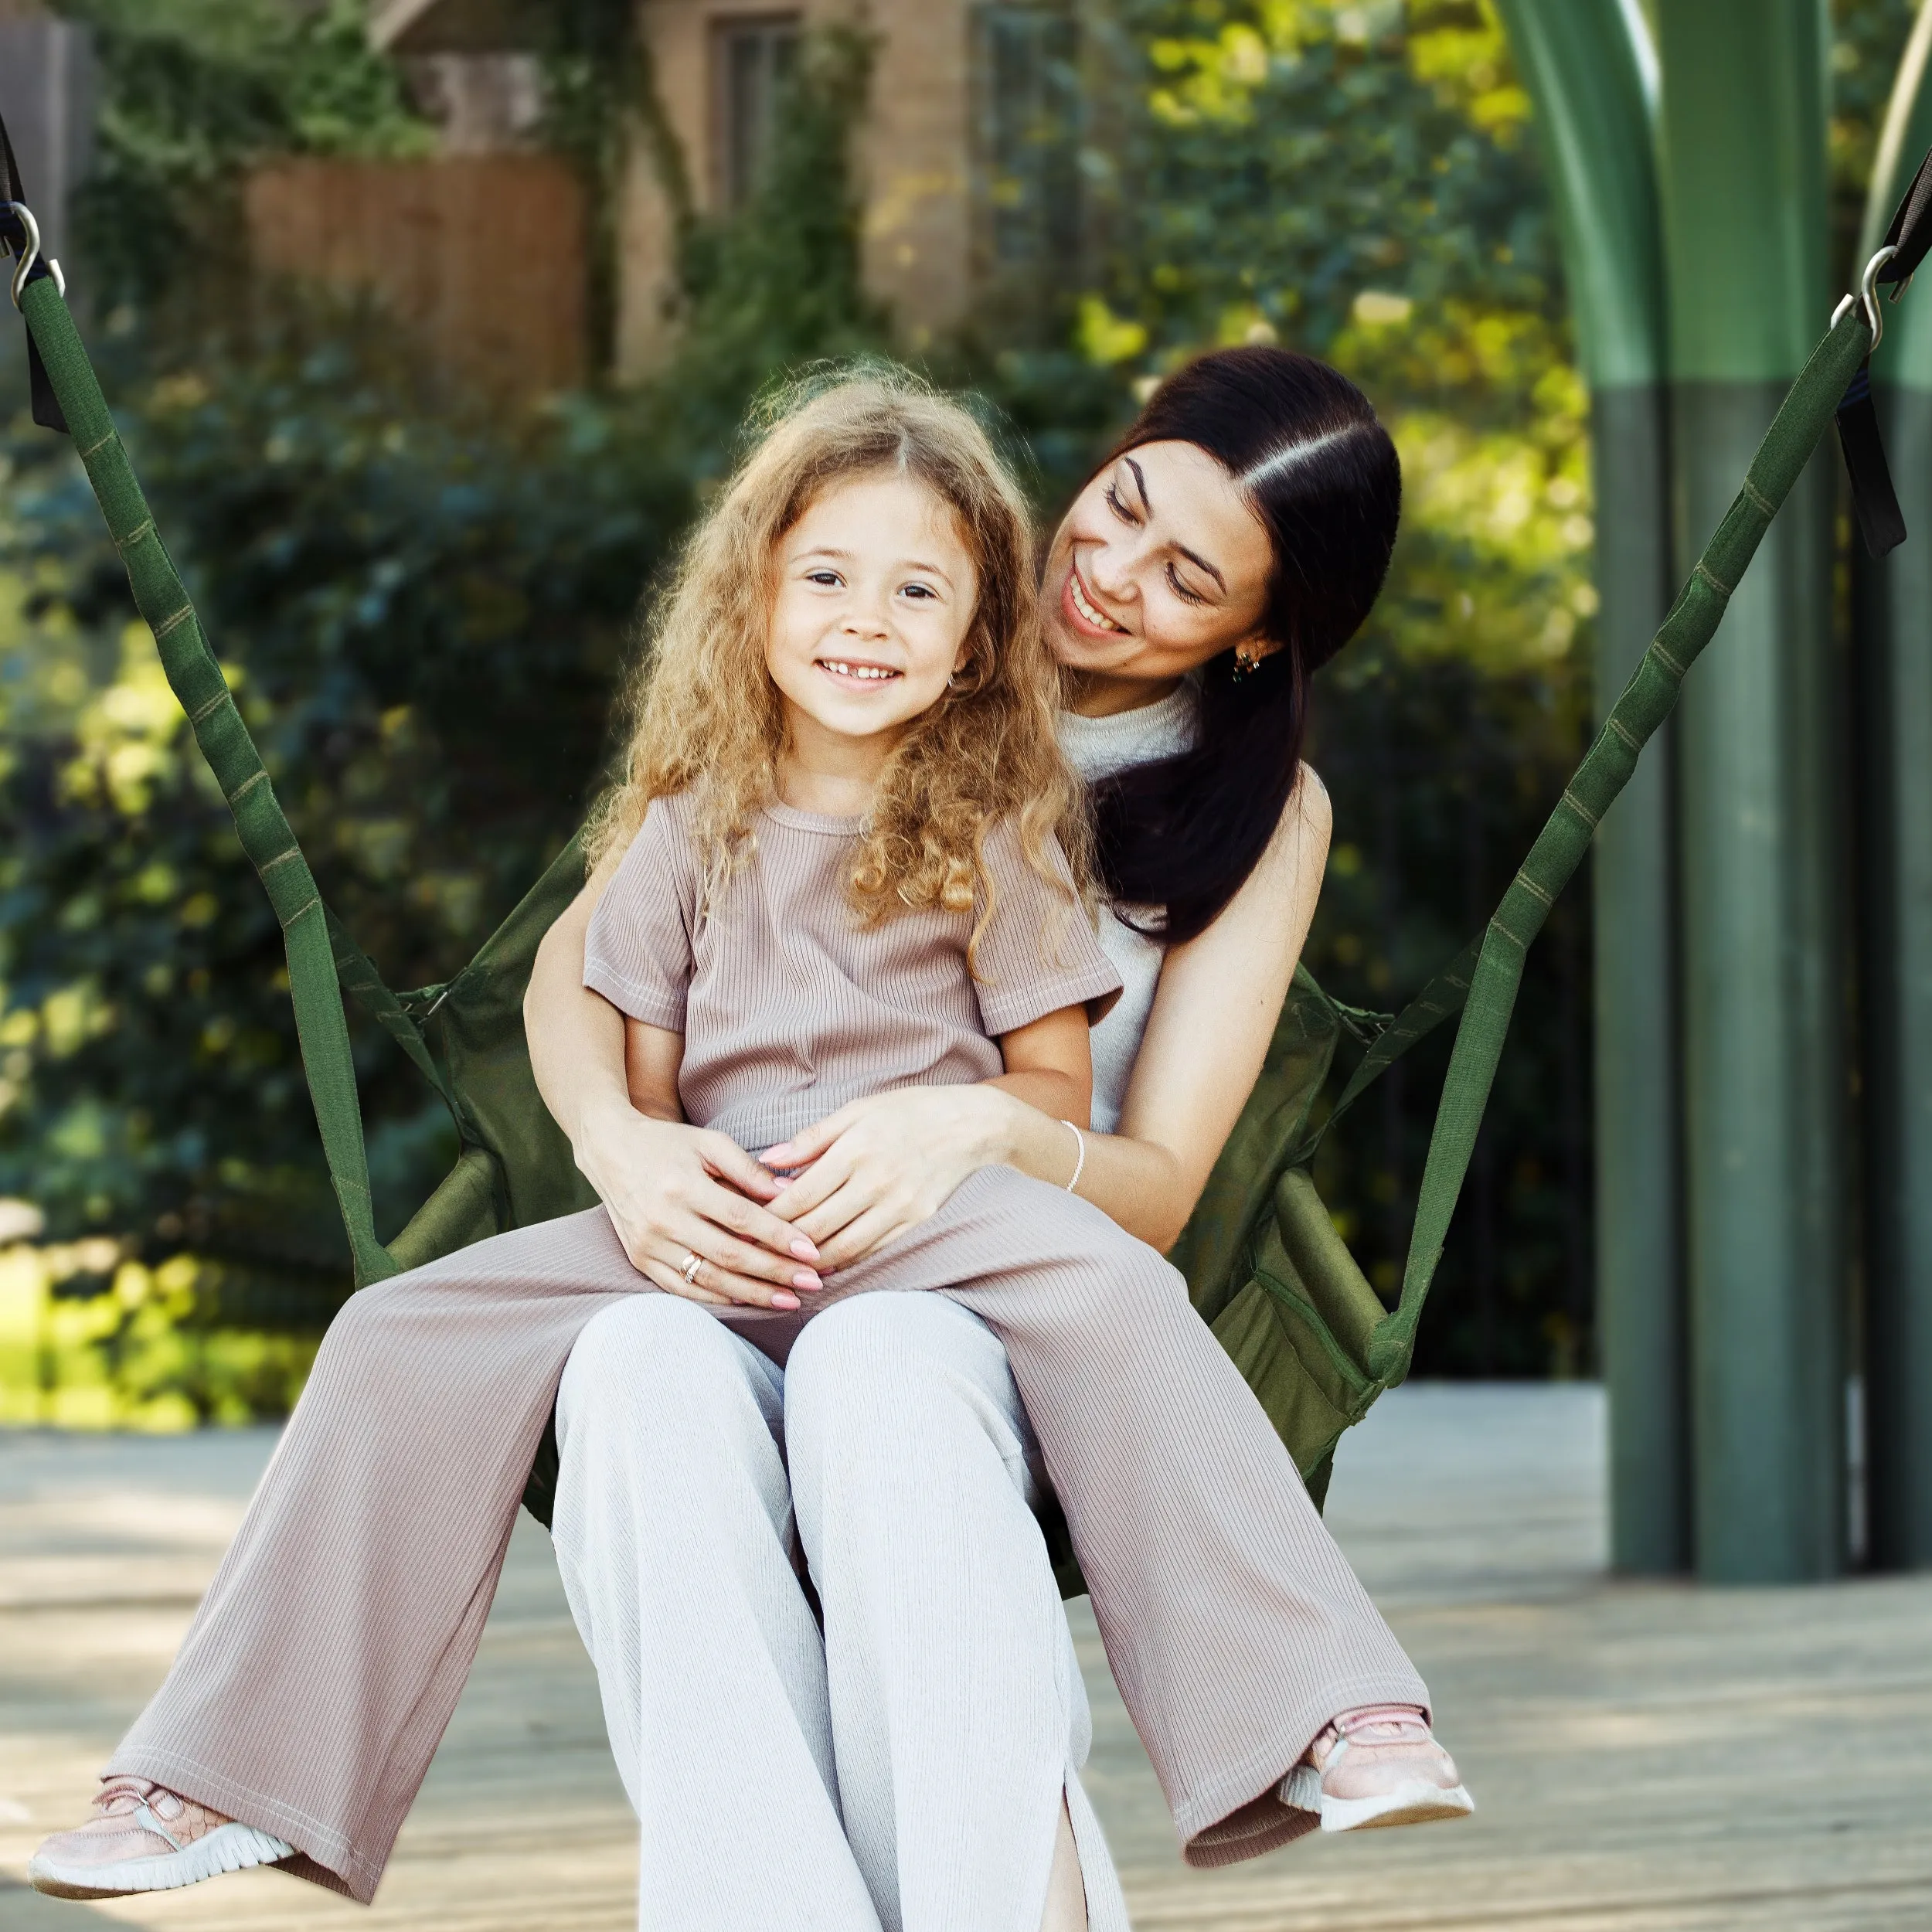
909, 1768
1237, 539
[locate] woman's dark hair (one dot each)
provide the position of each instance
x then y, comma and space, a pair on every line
1304, 445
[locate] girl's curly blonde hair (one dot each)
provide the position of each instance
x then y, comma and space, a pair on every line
707, 718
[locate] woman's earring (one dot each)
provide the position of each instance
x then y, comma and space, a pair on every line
1244, 665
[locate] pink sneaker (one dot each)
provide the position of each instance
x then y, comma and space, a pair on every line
1378, 1766
143, 1839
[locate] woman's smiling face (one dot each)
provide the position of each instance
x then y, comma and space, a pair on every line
1160, 565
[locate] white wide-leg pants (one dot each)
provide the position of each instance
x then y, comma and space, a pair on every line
902, 1769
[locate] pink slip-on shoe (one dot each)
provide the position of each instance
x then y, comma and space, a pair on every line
1378, 1766
145, 1838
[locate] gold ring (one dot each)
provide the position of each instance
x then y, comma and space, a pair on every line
692, 1265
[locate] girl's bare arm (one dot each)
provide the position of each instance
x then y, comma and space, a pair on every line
1049, 1065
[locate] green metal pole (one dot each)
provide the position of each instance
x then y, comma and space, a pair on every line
1591, 82
1743, 175
1894, 690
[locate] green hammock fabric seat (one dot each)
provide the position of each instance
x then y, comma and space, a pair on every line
1264, 1263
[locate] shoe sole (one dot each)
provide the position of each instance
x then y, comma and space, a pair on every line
1417, 1803
228, 1848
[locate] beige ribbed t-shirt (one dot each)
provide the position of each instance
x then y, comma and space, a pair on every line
790, 1006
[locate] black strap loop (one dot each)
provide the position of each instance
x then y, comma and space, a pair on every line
1911, 230
1881, 521
12, 188
13, 236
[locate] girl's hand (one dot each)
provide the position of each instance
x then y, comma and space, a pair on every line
881, 1165
673, 1191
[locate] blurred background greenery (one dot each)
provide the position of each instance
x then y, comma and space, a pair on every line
424, 589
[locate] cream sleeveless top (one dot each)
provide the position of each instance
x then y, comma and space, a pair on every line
1097, 748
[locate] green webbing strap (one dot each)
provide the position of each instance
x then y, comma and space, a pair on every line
356, 974
1441, 997
197, 681
1801, 421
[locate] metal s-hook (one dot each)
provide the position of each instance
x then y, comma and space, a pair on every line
30, 231
1868, 295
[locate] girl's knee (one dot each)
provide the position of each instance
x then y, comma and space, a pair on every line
1110, 1307
1118, 1276
376, 1325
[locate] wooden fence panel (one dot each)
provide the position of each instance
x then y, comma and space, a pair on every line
482, 257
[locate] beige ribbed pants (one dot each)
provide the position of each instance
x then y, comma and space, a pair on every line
906, 1765
317, 1676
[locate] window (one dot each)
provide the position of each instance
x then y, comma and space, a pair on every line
752, 61
1028, 76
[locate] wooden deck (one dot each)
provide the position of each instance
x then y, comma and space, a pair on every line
1644, 1757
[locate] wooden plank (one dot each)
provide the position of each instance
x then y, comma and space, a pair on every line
1660, 1758
481, 258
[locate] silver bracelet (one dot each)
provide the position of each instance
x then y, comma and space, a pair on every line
1079, 1166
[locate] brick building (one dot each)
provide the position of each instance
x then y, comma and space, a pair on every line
967, 157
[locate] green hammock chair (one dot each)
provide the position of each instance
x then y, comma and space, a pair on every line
1265, 1265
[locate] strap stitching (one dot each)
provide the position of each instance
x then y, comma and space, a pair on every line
1758, 500
246, 787
175, 623
94, 449
1529, 885
1582, 810
1658, 646
1624, 732
213, 705
1711, 577
145, 1817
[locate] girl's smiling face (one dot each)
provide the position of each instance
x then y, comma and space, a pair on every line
871, 612
1160, 565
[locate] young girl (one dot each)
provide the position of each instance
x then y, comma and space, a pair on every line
852, 864
846, 815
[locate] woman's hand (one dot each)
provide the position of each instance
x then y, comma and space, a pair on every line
673, 1191
882, 1164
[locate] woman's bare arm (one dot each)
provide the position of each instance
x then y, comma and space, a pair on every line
1213, 1016
576, 1037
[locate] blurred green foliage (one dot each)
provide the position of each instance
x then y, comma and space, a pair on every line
425, 605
